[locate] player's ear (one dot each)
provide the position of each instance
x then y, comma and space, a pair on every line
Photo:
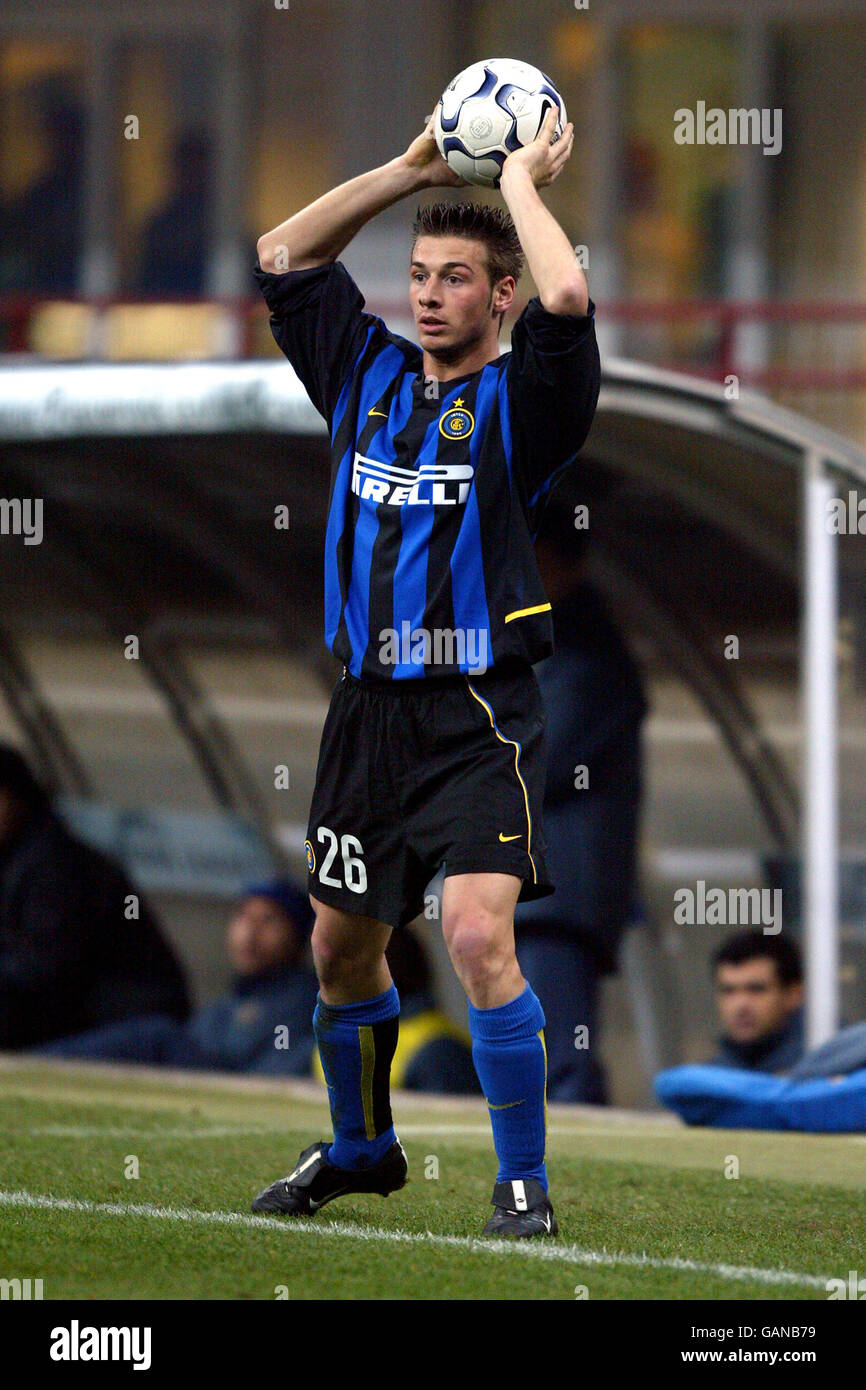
503, 294
795, 995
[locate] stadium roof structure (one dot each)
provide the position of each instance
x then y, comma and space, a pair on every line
159, 484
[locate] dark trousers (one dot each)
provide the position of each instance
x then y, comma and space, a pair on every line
565, 975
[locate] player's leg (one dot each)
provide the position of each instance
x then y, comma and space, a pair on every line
506, 1022
356, 1024
349, 954
356, 862
478, 926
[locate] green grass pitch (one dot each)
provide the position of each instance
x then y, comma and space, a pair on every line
646, 1210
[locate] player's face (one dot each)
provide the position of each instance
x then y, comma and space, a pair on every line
752, 1001
259, 937
450, 294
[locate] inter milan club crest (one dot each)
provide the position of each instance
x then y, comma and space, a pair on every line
457, 423
311, 858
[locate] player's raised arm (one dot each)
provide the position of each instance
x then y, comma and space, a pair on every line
561, 283
320, 231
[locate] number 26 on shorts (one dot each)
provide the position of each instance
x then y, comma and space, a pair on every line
349, 847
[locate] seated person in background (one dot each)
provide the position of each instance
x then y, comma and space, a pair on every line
263, 1024
433, 1054
79, 947
761, 1079
759, 993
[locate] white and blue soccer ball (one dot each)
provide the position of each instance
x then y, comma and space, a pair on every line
490, 109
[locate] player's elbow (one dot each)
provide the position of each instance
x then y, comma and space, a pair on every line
570, 298
266, 254
276, 257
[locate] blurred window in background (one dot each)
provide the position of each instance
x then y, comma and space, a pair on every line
165, 185
677, 206
42, 142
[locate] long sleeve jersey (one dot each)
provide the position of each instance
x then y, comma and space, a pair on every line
437, 487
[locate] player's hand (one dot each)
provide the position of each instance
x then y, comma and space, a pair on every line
544, 161
423, 155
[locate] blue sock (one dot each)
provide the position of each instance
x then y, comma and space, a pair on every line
356, 1044
509, 1056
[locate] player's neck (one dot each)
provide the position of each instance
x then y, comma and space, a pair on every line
446, 368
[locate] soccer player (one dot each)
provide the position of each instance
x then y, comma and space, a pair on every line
432, 753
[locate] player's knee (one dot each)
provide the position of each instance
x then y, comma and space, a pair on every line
337, 957
477, 945
326, 957
331, 955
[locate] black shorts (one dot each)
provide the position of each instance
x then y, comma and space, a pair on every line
416, 774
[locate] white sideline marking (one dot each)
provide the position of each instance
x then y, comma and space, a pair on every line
482, 1128
135, 1132
222, 1131
565, 1254
554, 1131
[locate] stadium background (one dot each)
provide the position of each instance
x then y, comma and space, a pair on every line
708, 259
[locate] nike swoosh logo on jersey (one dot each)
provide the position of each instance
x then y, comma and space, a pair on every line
378, 412
508, 837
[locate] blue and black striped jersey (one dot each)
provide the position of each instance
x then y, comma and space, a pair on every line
437, 488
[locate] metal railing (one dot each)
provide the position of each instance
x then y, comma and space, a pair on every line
789, 349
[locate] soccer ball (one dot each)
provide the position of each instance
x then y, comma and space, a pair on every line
490, 109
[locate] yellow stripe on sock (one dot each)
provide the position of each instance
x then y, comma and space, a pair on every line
544, 1049
541, 1034
368, 1059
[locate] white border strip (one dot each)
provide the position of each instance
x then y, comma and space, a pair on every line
277, 1130
564, 1254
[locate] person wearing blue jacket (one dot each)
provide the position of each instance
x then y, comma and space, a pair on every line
761, 1078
